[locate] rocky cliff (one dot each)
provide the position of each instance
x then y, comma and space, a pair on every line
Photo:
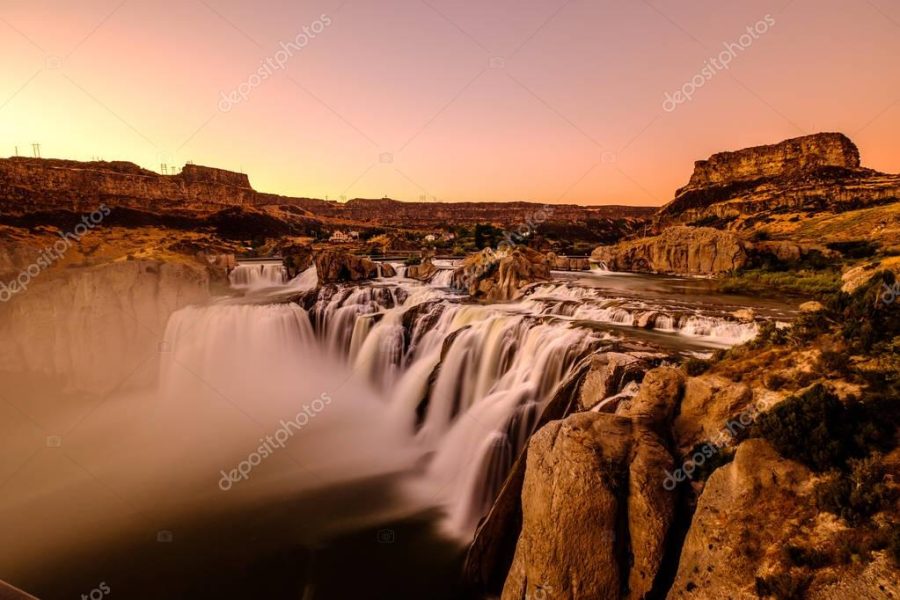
29, 184
97, 328
678, 250
812, 173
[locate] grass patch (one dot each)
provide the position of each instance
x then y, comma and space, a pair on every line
763, 282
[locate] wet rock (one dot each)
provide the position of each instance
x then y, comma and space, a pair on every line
424, 271
610, 373
342, 267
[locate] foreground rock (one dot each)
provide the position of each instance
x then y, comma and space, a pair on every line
595, 513
678, 250
500, 277
747, 512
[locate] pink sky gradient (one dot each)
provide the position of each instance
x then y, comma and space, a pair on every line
540, 100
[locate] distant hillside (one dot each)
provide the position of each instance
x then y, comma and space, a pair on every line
32, 185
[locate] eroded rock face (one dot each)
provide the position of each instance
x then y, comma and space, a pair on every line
342, 267
746, 512
100, 327
815, 172
500, 277
606, 471
678, 250
786, 158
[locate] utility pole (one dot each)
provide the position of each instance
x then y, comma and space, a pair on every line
163, 169
36, 148
17, 151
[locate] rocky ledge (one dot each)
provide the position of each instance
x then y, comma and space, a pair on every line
680, 250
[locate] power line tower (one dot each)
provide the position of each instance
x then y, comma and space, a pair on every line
164, 169
36, 149
17, 151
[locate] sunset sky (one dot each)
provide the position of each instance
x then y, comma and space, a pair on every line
540, 100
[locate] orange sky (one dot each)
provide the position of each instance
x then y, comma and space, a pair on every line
541, 100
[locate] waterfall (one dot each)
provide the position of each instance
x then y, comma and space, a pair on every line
461, 385
442, 278
251, 276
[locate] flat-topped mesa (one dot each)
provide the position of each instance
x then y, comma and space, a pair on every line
29, 184
818, 172
198, 174
786, 159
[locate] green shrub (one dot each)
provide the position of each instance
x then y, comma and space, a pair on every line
783, 586
807, 557
833, 362
696, 366
856, 495
817, 429
769, 335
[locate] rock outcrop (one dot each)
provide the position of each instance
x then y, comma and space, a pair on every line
423, 271
604, 470
342, 267
747, 511
496, 277
815, 172
678, 250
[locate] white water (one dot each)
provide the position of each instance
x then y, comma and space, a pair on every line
459, 386
254, 276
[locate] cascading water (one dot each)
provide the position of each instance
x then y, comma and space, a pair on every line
463, 384
252, 276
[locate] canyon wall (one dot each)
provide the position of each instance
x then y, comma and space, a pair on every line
31, 184
97, 328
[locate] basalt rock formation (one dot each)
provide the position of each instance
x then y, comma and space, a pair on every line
423, 271
807, 174
497, 277
679, 250
602, 470
343, 267
32, 184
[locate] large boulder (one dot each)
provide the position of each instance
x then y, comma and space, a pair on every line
678, 250
423, 271
341, 267
500, 277
595, 512
748, 510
